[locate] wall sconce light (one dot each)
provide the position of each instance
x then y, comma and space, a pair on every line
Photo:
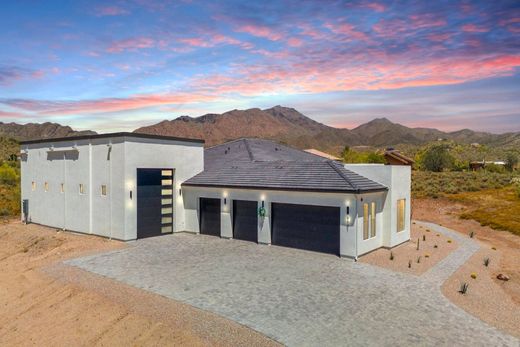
180, 192
130, 195
263, 204
348, 209
225, 201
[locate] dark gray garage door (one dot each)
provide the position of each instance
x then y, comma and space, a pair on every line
314, 228
245, 220
154, 202
210, 216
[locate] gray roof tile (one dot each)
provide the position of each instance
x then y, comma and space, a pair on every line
262, 164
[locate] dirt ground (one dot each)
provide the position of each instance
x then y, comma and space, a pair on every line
46, 303
494, 301
432, 248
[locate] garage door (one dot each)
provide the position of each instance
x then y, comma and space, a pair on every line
245, 220
210, 216
314, 228
154, 202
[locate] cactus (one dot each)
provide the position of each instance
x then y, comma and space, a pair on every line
471, 234
463, 288
418, 244
424, 237
409, 263
391, 255
418, 259
486, 262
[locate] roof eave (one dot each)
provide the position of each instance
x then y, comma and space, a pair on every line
316, 190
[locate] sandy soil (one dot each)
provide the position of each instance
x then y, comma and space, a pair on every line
494, 301
46, 303
430, 255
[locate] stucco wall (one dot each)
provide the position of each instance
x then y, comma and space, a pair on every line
93, 163
398, 180
348, 226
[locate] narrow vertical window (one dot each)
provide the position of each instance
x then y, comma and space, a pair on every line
81, 188
46, 186
365, 221
401, 209
62, 188
33, 186
373, 219
103, 190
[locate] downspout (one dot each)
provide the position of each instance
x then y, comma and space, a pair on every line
109, 190
64, 189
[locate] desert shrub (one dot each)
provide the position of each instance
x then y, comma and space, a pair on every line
495, 168
511, 161
437, 158
8, 175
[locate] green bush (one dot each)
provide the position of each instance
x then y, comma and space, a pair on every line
437, 158
8, 175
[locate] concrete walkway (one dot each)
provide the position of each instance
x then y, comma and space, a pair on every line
302, 298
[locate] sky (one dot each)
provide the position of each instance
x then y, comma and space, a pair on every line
117, 65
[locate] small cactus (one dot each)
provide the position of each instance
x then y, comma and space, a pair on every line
473, 275
435, 246
391, 255
424, 237
471, 234
486, 262
418, 244
418, 259
463, 288
409, 263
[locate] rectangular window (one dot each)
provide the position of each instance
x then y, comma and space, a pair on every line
46, 186
166, 210
166, 191
166, 201
166, 182
365, 221
33, 186
373, 220
401, 209
62, 188
103, 190
81, 188
167, 173
166, 220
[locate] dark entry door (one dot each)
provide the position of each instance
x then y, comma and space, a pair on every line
210, 216
245, 220
154, 202
314, 228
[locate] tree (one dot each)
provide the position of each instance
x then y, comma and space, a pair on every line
511, 161
437, 158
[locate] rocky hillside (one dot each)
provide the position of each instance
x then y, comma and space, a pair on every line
32, 131
292, 127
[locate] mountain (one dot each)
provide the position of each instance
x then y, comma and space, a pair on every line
289, 126
31, 131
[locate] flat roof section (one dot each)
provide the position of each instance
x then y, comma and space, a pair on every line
120, 134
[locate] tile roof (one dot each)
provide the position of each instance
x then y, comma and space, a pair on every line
262, 164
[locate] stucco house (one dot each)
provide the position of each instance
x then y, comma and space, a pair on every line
128, 186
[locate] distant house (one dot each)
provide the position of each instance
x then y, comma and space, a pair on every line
322, 154
477, 165
394, 157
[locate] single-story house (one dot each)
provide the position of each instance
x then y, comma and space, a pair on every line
128, 186
394, 157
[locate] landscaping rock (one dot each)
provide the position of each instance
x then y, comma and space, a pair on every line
503, 277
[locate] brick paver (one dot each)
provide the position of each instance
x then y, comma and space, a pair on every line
302, 298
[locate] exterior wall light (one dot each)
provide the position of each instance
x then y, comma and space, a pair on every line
180, 192
225, 201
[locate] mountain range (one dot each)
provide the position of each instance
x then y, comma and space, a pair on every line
282, 124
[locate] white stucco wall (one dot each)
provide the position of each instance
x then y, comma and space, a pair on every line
348, 229
95, 162
398, 180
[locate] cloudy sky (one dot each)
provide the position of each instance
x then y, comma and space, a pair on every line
111, 66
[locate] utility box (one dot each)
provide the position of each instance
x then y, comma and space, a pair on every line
25, 210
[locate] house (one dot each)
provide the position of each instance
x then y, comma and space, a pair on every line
322, 154
477, 165
129, 186
394, 157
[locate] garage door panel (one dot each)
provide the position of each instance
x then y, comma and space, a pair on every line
210, 216
245, 220
314, 228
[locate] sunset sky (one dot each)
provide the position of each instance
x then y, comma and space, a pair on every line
112, 66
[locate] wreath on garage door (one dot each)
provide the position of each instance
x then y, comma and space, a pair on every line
261, 211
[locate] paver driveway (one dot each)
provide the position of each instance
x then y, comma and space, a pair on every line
301, 298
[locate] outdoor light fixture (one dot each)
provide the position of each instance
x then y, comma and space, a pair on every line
180, 191
263, 203
225, 201
130, 195
348, 209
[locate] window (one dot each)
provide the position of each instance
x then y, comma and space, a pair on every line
401, 209
369, 220
46, 186
365, 221
373, 220
62, 188
103, 189
81, 188
33, 186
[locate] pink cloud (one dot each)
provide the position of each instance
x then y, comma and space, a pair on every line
439, 37
346, 30
48, 107
294, 42
131, 44
11, 74
110, 11
260, 31
378, 7
4, 114
472, 28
